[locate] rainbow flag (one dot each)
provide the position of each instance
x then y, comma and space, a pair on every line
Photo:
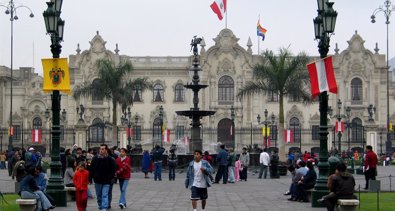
260, 31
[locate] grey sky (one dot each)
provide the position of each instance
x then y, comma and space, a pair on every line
165, 28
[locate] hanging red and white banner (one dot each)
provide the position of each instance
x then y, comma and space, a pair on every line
36, 136
339, 127
267, 144
322, 76
288, 136
129, 131
166, 135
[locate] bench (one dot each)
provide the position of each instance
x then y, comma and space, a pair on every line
70, 193
26, 204
347, 204
308, 191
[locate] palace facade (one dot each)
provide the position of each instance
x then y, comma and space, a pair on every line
227, 66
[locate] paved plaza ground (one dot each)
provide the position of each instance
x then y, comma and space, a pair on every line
255, 194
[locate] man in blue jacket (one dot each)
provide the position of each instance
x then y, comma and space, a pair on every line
198, 179
222, 160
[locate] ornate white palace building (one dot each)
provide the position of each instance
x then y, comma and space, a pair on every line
227, 66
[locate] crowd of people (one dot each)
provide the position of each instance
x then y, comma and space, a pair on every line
110, 166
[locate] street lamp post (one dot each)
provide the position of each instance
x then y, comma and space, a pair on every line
232, 116
381, 143
266, 124
126, 118
348, 114
389, 8
339, 132
324, 26
55, 26
161, 125
11, 10
272, 130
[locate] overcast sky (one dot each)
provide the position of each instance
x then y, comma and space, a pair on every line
165, 28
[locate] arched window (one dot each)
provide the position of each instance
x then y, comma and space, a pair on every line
97, 98
97, 131
226, 87
37, 123
294, 125
357, 131
223, 131
356, 91
179, 93
156, 131
158, 93
137, 95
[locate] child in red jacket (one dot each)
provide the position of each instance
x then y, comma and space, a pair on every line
81, 181
123, 174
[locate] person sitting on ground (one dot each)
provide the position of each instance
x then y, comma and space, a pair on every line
30, 190
341, 185
307, 182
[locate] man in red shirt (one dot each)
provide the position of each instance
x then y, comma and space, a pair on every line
370, 165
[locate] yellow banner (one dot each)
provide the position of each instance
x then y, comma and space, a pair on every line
265, 133
56, 75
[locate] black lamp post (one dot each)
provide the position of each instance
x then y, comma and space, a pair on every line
232, 116
389, 8
381, 143
339, 133
324, 26
136, 120
161, 125
266, 124
11, 10
272, 130
55, 26
126, 118
348, 114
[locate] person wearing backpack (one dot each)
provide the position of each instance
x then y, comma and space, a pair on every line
172, 162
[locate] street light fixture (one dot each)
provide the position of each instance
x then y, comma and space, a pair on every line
161, 125
55, 27
232, 116
324, 26
272, 129
11, 10
266, 124
348, 114
389, 8
339, 132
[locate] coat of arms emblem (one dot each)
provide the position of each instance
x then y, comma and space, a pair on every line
56, 75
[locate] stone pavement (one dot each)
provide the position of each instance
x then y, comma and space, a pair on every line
255, 194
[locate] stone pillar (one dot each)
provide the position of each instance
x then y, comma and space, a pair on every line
81, 134
371, 136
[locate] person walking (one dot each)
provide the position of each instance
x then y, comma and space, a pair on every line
157, 157
274, 160
264, 160
197, 179
222, 160
146, 164
81, 181
172, 162
370, 165
207, 157
102, 172
245, 162
123, 174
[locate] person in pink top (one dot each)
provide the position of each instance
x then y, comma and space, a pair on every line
238, 168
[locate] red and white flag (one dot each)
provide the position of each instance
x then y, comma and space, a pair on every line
219, 8
339, 126
322, 76
36, 136
289, 136
129, 132
166, 135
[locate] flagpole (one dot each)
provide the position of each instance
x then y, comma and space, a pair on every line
226, 16
259, 42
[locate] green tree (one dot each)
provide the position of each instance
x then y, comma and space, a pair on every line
112, 84
283, 74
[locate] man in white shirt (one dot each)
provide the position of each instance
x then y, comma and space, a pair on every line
198, 180
264, 160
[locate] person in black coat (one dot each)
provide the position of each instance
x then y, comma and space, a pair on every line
307, 182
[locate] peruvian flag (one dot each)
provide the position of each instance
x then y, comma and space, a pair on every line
219, 8
322, 76
129, 132
36, 136
267, 141
166, 135
339, 126
288, 136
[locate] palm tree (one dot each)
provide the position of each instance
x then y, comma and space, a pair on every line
284, 75
113, 86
